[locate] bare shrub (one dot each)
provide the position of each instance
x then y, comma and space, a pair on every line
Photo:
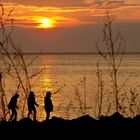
14, 63
112, 51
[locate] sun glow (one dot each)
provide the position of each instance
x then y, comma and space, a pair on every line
46, 23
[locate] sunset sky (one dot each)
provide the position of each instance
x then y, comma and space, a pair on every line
71, 25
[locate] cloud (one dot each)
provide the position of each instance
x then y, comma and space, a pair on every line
71, 15
111, 4
101, 3
74, 14
58, 3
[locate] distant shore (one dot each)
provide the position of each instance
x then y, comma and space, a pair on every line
70, 53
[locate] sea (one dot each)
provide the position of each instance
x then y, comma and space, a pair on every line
73, 79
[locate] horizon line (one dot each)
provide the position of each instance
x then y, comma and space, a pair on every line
55, 53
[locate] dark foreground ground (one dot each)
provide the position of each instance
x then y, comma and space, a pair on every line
83, 126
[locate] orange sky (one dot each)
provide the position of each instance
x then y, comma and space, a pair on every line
73, 25
71, 12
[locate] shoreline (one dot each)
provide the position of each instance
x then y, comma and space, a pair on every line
114, 122
114, 126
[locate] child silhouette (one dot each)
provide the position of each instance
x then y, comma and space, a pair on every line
48, 104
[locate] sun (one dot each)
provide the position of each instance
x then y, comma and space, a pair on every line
46, 23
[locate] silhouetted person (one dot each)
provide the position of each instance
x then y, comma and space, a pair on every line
48, 104
31, 104
13, 106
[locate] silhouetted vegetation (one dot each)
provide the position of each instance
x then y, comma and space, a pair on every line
14, 64
113, 52
100, 92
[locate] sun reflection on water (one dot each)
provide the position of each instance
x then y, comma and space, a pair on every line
47, 84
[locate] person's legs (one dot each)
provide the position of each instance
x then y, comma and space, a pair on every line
34, 114
15, 114
29, 112
11, 115
48, 115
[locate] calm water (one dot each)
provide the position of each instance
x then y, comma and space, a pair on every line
71, 72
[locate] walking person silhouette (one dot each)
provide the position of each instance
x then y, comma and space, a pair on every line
13, 106
48, 104
31, 105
